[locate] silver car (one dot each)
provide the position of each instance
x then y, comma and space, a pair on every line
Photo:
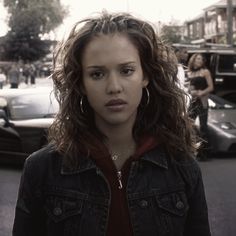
222, 125
25, 115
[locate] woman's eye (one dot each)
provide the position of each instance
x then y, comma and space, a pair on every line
96, 74
127, 71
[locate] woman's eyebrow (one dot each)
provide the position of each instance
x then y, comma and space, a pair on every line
127, 63
95, 67
102, 67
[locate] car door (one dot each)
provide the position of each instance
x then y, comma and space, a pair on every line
10, 142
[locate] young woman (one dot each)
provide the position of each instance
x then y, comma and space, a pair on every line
121, 154
201, 85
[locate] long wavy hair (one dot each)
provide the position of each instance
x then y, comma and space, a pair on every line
192, 61
164, 117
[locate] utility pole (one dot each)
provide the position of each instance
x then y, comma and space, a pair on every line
229, 22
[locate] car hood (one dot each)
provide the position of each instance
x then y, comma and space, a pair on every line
222, 115
223, 118
37, 123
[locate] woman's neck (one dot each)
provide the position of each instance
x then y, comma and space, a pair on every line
121, 148
119, 136
196, 69
120, 143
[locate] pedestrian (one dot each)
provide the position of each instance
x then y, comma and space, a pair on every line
2, 78
182, 57
120, 158
200, 86
14, 76
32, 73
26, 72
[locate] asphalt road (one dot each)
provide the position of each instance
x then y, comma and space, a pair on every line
219, 178
9, 183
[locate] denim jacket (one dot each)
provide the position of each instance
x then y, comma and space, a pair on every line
165, 197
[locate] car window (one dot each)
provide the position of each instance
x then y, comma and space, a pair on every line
227, 63
32, 106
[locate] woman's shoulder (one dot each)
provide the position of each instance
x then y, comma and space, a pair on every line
186, 162
42, 158
185, 159
188, 167
205, 71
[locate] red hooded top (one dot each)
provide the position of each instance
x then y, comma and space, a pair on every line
119, 219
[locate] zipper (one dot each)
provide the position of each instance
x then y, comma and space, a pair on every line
119, 176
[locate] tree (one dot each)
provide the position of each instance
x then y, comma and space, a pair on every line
29, 21
172, 33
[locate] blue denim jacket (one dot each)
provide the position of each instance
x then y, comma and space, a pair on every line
165, 197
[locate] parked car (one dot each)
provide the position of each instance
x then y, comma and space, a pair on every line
222, 125
25, 115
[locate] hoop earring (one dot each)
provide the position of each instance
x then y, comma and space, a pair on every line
148, 96
81, 105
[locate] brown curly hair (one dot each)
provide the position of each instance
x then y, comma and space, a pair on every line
165, 116
193, 59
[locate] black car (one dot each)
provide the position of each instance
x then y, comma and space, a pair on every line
25, 115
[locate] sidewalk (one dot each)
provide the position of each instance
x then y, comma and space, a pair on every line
39, 82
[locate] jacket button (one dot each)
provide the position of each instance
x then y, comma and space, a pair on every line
57, 211
143, 203
179, 205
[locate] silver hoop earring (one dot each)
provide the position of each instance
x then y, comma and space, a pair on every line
81, 105
148, 96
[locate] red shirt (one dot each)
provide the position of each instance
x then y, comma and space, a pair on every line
119, 219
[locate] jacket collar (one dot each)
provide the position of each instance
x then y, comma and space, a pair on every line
85, 164
156, 156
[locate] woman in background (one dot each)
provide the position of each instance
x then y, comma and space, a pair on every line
200, 86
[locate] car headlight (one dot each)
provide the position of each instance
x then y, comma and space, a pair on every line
227, 126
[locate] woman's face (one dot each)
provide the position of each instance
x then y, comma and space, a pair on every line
113, 79
198, 62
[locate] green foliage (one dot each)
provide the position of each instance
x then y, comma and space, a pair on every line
29, 21
171, 33
20, 47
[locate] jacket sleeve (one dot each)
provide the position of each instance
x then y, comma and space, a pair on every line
28, 212
197, 220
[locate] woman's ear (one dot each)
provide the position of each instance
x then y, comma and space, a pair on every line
145, 81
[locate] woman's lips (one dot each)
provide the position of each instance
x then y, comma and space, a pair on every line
116, 104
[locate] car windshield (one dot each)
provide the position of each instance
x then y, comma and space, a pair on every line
227, 63
31, 106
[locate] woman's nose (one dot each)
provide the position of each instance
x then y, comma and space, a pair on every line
113, 84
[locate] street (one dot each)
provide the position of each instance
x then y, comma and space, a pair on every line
219, 177
9, 183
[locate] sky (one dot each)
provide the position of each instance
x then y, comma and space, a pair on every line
162, 11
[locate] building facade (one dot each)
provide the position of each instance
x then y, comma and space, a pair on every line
212, 25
